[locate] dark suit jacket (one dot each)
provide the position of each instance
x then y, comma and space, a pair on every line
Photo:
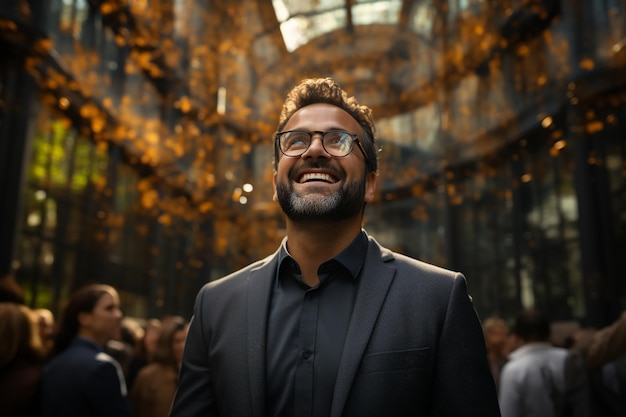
83, 381
414, 346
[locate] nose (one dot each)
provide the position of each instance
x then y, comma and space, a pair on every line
316, 148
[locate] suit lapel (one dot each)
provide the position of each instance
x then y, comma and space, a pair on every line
376, 278
259, 287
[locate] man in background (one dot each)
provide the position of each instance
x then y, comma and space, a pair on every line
532, 381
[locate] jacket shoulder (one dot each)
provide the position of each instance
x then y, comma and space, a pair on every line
407, 265
240, 275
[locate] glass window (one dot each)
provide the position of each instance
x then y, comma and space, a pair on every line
482, 236
300, 22
299, 30
366, 12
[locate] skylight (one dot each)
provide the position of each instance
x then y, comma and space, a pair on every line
300, 22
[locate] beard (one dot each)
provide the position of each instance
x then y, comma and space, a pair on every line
347, 203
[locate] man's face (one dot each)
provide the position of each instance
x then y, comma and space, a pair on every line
316, 185
496, 338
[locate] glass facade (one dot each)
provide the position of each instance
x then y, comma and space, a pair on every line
84, 218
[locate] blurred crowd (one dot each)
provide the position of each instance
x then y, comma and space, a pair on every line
93, 361
89, 361
544, 368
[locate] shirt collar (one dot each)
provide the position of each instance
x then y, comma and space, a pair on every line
529, 348
351, 258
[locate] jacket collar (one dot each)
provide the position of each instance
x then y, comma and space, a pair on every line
529, 349
83, 341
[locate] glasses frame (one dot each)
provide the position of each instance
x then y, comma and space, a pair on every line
322, 133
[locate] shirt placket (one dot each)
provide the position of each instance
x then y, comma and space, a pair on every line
303, 387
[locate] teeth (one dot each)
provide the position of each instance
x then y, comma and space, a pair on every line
317, 176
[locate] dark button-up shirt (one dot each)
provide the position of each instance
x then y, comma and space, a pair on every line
306, 330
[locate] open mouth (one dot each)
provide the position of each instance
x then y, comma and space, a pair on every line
318, 177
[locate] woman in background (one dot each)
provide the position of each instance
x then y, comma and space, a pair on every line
153, 390
21, 354
81, 380
144, 352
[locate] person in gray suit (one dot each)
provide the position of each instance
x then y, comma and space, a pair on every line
333, 324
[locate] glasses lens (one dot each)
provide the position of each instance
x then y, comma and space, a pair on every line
294, 143
338, 142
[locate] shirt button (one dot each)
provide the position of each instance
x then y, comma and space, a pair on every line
306, 354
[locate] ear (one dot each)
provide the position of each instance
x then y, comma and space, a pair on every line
370, 186
84, 319
275, 196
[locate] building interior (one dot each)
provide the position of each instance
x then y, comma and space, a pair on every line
136, 142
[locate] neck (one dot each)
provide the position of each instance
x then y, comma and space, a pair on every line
314, 243
89, 335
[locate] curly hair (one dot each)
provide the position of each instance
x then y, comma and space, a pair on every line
326, 90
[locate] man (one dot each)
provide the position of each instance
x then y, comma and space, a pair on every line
532, 381
497, 341
333, 324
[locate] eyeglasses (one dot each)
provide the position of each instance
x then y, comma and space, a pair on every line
336, 142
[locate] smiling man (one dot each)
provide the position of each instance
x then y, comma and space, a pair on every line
333, 324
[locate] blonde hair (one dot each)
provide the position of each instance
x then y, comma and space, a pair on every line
19, 334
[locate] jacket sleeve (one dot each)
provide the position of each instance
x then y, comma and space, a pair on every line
464, 385
194, 395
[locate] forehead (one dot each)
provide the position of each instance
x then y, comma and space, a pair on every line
322, 116
106, 299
